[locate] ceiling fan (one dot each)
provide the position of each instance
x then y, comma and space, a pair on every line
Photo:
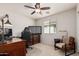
37, 8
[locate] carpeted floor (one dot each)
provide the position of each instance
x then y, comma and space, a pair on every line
45, 50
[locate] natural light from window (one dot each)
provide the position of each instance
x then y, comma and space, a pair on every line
49, 27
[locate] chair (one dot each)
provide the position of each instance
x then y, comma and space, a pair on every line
26, 35
67, 47
70, 46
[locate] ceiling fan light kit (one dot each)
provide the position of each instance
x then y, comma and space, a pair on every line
37, 10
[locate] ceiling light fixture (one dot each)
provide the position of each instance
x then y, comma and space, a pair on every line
37, 10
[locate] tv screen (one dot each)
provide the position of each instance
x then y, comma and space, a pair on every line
35, 29
6, 31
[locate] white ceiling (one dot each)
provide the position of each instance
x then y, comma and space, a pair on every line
55, 8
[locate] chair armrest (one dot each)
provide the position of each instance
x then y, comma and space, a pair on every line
57, 40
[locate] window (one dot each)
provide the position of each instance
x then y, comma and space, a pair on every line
49, 27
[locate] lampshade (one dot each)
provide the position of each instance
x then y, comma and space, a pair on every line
7, 16
8, 22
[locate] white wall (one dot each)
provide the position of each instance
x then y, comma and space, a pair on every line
65, 21
77, 23
19, 23
18, 20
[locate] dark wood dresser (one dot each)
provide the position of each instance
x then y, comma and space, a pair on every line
35, 38
14, 47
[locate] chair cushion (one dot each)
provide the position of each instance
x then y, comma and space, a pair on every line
60, 45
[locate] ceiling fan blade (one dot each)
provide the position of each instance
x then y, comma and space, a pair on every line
32, 12
45, 8
29, 7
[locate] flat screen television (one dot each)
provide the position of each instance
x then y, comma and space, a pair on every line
35, 29
6, 31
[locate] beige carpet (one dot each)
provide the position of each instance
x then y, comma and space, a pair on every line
45, 50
